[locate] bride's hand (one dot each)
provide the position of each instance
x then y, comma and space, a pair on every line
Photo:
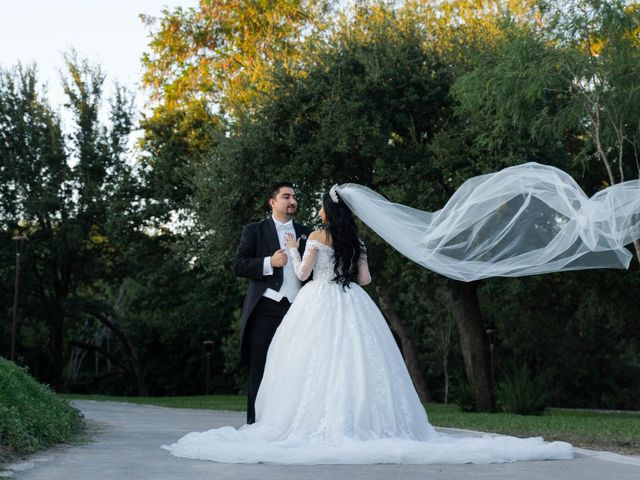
290, 241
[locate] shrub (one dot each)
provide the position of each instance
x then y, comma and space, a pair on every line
465, 397
522, 393
32, 417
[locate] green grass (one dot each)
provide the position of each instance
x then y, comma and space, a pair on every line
237, 403
619, 432
32, 417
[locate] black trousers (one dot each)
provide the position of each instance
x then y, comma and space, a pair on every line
261, 326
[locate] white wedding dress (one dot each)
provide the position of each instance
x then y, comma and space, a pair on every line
336, 391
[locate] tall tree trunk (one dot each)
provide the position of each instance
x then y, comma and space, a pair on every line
462, 300
408, 346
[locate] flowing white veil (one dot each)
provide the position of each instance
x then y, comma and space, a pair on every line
522, 220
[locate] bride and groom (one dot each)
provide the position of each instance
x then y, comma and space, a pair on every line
327, 383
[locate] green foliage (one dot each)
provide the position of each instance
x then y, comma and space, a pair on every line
231, 352
32, 417
521, 392
579, 327
407, 97
571, 85
381, 106
364, 111
63, 197
171, 308
466, 399
101, 269
533, 95
220, 52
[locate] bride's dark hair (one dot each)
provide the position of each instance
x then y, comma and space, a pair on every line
347, 247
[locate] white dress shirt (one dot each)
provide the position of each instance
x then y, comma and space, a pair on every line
290, 283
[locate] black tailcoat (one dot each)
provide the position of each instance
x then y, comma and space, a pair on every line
259, 240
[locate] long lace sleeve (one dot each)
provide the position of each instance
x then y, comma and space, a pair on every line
303, 267
364, 277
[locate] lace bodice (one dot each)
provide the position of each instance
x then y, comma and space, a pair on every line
318, 258
323, 265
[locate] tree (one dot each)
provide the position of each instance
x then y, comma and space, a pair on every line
361, 113
522, 101
219, 53
60, 198
601, 68
575, 79
34, 182
205, 66
409, 98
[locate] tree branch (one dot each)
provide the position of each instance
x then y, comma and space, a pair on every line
96, 348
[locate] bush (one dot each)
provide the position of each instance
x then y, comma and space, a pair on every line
465, 397
32, 417
521, 393
231, 352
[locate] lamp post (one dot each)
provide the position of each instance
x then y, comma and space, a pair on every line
19, 245
208, 349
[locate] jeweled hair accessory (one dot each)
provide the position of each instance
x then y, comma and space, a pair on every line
333, 193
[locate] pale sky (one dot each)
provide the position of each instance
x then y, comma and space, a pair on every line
107, 32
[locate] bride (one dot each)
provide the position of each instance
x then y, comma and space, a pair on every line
335, 388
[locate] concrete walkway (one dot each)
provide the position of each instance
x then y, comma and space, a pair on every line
126, 441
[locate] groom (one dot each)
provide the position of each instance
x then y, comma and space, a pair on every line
261, 257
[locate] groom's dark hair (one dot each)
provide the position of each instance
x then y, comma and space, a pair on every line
275, 189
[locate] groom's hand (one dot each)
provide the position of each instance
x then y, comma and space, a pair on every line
279, 258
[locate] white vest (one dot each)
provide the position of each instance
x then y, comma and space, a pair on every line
290, 283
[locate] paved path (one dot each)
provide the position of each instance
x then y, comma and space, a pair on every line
126, 445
